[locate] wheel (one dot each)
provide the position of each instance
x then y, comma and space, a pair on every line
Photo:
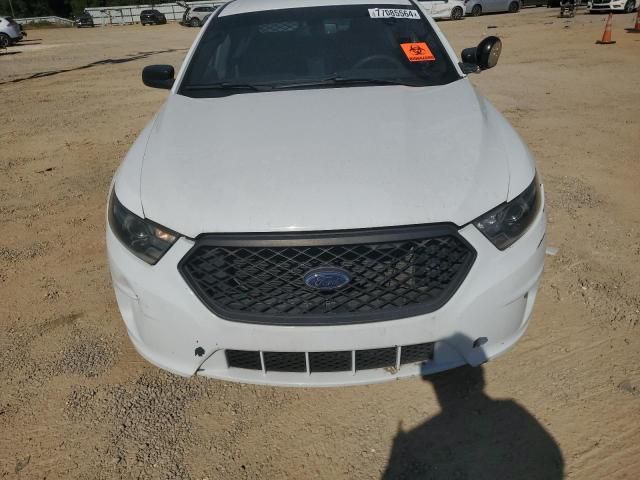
457, 13
630, 6
476, 11
194, 22
514, 7
5, 40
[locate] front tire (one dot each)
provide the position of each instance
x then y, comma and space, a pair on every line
476, 11
5, 40
194, 22
457, 13
630, 6
514, 7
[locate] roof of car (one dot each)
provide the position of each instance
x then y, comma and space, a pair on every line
245, 6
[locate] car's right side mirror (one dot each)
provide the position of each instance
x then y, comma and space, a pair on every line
482, 57
158, 76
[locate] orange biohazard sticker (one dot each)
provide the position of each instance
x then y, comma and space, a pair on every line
417, 52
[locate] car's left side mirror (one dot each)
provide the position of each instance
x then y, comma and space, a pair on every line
158, 76
482, 57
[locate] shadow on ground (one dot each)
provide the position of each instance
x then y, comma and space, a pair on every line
474, 437
108, 61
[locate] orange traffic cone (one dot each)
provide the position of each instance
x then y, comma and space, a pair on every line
636, 28
606, 36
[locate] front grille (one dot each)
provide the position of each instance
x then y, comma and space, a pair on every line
338, 361
391, 273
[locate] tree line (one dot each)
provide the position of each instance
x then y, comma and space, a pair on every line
61, 8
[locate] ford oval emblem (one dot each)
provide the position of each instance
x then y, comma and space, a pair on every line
327, 278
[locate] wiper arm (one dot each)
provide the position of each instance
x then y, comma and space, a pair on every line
229, 86
338, 80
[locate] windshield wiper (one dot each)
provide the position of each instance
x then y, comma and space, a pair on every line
229, 86
338, 80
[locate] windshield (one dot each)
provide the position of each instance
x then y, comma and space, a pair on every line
317, 47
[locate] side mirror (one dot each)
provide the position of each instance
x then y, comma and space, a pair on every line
482, 57
158, 76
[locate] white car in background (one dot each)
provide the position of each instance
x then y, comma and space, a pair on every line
441, 9
301, 211
197, 16
626, 6
10, 31
478, 7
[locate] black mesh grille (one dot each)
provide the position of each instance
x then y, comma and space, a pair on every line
260, 278
330, 361
339, 361
416, 353
376, 358
244, 359
284, 362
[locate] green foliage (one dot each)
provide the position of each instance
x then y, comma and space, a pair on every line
25, 8
62, 8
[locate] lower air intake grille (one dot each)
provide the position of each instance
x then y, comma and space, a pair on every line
376, 358
383, 274
284, 362
330, 361
339, 361
416, 353
244, 359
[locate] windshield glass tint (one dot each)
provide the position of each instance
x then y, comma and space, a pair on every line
317, 47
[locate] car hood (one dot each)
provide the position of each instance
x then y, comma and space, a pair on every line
324, 159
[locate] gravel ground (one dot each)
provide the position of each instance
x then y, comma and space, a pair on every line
76, 401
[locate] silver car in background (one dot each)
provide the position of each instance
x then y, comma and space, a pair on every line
478, 7
198, 15
10, 31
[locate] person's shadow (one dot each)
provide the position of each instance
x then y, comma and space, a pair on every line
474, 437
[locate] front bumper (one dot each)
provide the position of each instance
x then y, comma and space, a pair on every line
606, 7
172, 329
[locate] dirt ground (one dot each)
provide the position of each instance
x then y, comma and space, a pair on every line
76, 400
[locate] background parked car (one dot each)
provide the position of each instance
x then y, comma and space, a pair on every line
478, 7
10, 31
626, 6
152, 17
84, 20
453, 9
197, 16
532, 3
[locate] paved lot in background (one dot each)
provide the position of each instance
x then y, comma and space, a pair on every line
76, 401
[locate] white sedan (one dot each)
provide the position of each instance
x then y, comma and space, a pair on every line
443, 9
478, 7
303, 211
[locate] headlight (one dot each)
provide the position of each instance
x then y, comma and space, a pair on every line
507, 223
145, 239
